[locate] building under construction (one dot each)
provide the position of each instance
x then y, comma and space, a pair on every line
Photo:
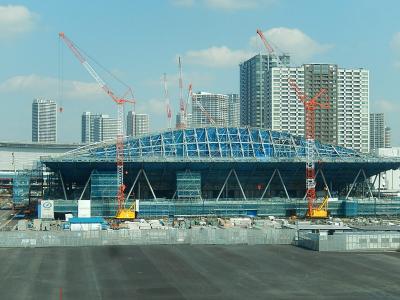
216, 171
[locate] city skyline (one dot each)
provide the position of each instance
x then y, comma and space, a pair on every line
210, 57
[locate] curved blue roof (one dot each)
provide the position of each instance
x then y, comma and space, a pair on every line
214, 143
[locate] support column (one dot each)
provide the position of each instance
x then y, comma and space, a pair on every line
326, 184
62, 184
366, 180
148, 182
86, 185
133, 184
223, 186
267, 186
284, 186
352, 185
240, 186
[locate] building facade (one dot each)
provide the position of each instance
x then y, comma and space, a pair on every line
137, 124
269, 102
98, 127
255, 89
388, 137
285, 111
44, 121
353, 109
233, 110
215, 109
390, 179
377, 131
317, 77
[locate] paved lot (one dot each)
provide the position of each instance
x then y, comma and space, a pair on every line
197, 272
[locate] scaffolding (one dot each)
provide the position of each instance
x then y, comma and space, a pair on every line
188, 185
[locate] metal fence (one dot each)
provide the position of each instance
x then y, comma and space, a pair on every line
355, 241
217, 236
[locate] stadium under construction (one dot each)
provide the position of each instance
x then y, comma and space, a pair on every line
211, 171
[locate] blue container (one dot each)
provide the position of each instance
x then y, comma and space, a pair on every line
251, 212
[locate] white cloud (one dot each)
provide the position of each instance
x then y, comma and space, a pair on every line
155, 107
292, 40
230, 5
16, 19
43, 86
216, 57
185, 3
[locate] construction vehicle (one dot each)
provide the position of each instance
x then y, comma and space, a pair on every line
310, 105
122, 211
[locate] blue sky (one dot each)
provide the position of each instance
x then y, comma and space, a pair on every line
140, 40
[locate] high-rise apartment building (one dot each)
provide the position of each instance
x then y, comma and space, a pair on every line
284, 110
44, 121
377, 131
317, 76
233, 110
269, 102
98, 127
188, 120
215, 106
255, 89
380, 134
388, 137
353, 109
137, 124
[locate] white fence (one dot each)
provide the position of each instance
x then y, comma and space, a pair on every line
354, 241
146, 237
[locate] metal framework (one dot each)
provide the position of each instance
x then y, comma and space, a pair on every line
214, 143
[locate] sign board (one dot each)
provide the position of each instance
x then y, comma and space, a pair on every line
47, 209
84, 209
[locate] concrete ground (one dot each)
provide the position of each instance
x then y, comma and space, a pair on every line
197, 272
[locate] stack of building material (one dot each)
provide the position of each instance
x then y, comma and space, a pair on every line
22, 225
37, 224
225, 223
155, 224
241, 222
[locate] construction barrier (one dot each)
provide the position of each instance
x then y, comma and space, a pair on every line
206, 235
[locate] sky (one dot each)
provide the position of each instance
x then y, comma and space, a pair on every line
138, 41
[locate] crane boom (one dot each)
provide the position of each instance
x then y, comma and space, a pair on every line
120, 101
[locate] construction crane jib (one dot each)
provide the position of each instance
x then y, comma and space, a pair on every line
120, 101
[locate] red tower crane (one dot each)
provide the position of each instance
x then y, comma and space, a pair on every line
182, 112
167, 103
310, 106
122, 212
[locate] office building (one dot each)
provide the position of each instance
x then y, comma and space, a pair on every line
390, 179
215, 110
137, 124
98, 127
44, 121
233, 110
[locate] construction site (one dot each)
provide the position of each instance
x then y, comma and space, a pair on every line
203, 176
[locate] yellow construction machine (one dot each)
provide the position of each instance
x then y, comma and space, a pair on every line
127, 213
320, 212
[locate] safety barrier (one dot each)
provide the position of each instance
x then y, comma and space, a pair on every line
146, 237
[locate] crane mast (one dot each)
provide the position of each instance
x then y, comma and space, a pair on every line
310, 105
182, 113
120, 101
167, 103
